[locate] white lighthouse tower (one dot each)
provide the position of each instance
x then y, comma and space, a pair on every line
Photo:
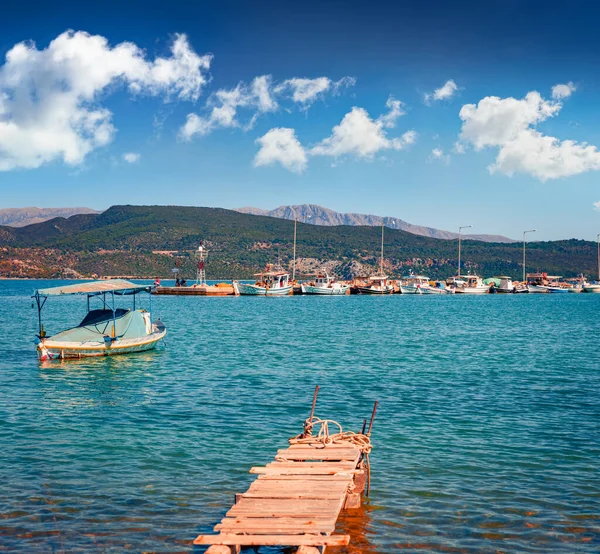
200, 256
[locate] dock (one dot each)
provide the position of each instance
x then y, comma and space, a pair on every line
297, 498
220, 289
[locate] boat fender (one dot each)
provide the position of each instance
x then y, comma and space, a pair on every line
107, 340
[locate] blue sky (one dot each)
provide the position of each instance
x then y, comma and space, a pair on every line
346, 114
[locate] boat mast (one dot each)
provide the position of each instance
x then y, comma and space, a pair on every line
294, 266
598, 239
381, 263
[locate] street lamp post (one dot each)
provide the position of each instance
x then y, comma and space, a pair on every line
598, 241
524, 232
459, 230
294, 266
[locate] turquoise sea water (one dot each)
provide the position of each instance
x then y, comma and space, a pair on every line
487, 437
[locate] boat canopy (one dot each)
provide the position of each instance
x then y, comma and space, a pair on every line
271, 274
92, 288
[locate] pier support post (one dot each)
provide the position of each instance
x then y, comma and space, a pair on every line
220, 549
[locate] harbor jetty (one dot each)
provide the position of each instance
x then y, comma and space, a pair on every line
297, 498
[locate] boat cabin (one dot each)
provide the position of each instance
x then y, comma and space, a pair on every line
542, 279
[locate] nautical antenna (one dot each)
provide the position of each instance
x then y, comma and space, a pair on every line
200, 256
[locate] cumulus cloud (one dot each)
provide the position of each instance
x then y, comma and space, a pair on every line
281, 146
509, 125
306, 91
357, 135
225, 104
445, 92
360, 135
597, 206
49, 98
437, 154
131, 157
257, 98
563, 91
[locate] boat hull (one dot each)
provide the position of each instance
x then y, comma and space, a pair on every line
557, 290
48, 349
256, 290
472, 290
537, 289
592, 288
372, 290
325, 291
410, 289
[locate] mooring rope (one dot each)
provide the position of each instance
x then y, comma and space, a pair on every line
360, 440
325, 438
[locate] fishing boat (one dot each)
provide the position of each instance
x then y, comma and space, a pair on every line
106, 330
419, 284
592, 287
469, 284
542, 283
324, 284
378, 284
501, 284
273, 281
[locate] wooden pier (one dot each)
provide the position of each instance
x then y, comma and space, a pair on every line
297, 498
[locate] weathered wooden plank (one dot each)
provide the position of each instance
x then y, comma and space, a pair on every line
318, 444
298, 470
339, 463
258, 507
283, 494
300, 484
307, 477
274, 540
341, 455
277, 525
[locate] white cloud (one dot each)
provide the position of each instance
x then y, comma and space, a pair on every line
257, 98
281, 146
437, 154
225, 105
361, 136
509, 125
49, 99
563, 91
459, 147
356, 135
445, 92
597, 206
306, 91
131, 157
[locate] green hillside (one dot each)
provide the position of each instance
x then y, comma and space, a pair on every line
121, 241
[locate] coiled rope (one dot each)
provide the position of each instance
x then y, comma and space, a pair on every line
325, 438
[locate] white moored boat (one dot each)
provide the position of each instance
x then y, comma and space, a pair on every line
105, 331
271, 282
323, 284
591, 287
544, 283
469, 284
419, 284
378, 284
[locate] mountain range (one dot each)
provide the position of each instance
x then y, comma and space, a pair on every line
148, 241
317, 215
305, 213
19, 217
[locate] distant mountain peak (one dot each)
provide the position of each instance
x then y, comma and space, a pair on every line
20, 217
318, 215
